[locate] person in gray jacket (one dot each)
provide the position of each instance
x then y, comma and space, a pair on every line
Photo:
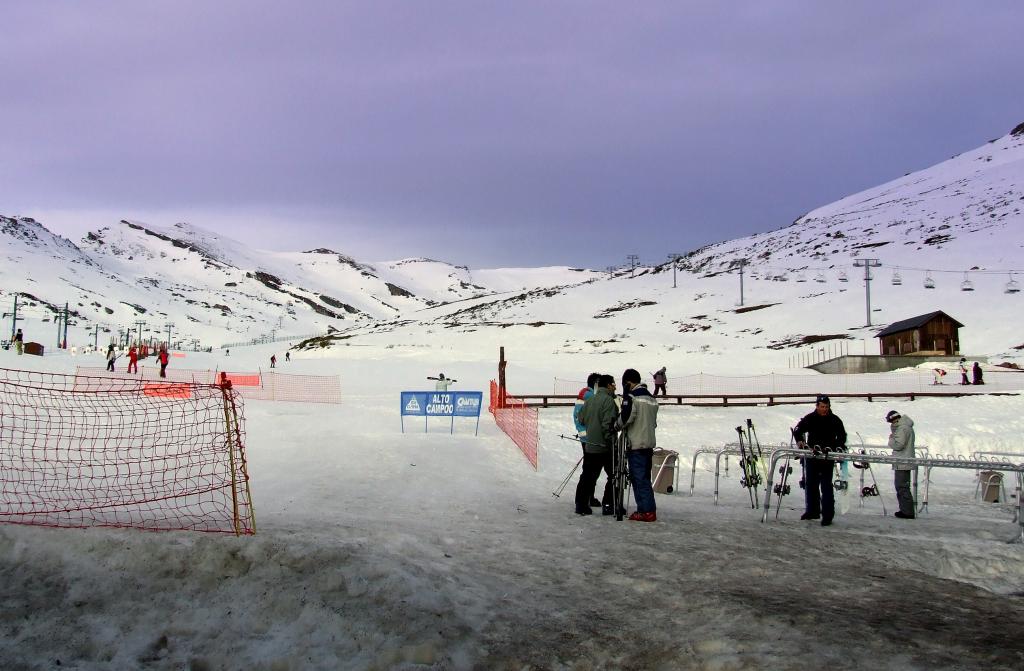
901, 442
598, 415
639, 418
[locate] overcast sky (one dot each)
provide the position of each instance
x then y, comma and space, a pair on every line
485, 133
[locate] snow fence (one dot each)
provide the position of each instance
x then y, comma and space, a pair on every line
517, 421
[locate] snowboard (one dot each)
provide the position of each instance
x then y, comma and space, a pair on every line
844, 488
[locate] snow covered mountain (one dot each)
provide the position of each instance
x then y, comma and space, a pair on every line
953, 226
964, 213
215, 289
948, 238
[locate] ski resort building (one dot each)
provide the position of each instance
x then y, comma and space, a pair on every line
933, 334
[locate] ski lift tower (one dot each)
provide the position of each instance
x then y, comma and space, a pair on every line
867, 265
740, 264
634, 261
675, 261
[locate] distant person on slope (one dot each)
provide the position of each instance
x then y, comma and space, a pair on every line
901, 442
111, 358
598, 415
660, 381
442, 382
820, 431
938, 374
581, 428
19, 342
287, 356
164, 359
273, 360
639, 418
133, 360
963, 372
978, 379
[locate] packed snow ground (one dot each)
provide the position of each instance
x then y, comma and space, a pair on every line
382, 550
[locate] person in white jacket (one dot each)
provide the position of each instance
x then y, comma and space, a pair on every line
638, 417
901, 442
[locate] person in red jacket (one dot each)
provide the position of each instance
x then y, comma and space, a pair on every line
164, 359
133, 360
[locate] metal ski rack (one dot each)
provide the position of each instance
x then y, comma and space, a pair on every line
727, 450
1003, 457
693, 469
927, 463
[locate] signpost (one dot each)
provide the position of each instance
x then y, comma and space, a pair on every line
441, 404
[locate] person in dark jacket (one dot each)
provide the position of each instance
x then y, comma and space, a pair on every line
164, 359
598, 414
978, 374
639, 419
19, 342
660, 380
820, 431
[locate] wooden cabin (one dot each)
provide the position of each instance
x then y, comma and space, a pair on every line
933, 334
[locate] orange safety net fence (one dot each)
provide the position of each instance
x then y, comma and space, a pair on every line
262, 386
79, 451
519, 422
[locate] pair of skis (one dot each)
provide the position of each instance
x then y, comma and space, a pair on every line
751, 462
782, 488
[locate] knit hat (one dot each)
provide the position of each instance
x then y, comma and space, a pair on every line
892, 416
823, 399
630, 375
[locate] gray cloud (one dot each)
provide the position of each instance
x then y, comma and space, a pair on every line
516, 134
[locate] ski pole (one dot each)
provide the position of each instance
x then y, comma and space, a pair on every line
579, 440
619, 477
558, 492
757, 441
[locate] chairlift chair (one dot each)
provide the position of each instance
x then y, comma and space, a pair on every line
842, 276
929, 283
820, 277
896, 279
801, 277
966, 285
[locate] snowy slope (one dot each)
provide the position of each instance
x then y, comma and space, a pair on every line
959, 220
216, 289
377, 549
961, 214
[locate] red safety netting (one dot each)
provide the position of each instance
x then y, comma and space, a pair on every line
517, 421
265, 386
304, 388
148, 372
79, 451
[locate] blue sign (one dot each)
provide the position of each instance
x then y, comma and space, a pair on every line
442, 404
